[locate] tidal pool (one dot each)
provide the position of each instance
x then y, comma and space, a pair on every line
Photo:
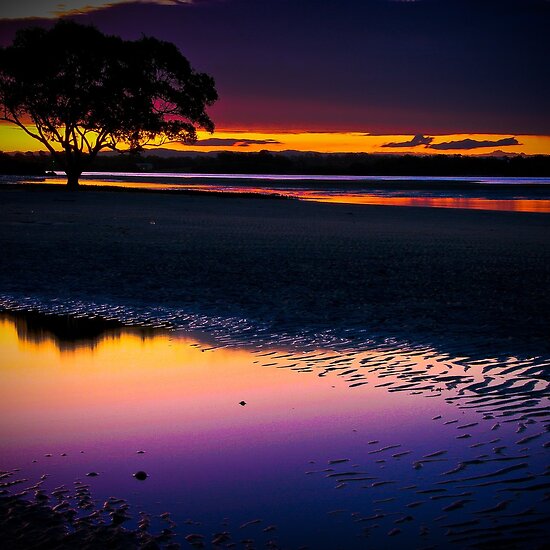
393, 447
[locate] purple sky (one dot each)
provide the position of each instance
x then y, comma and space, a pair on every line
384, 66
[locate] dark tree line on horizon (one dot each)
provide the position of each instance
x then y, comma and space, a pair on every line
295, 163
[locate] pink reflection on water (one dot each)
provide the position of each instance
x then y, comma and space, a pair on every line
129, 387
208, 457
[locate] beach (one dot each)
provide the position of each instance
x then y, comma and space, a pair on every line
274, 275
199, 369
437, 276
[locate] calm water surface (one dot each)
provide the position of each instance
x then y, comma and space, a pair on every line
479, 193
394, 448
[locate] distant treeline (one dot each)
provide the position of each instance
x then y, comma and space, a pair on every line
296, 163
31, 164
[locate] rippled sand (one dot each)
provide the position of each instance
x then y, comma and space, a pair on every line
298, 271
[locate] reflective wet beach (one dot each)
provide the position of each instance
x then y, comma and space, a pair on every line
391, 444
472, 193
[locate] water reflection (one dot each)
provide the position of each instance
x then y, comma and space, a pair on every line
336, 449
502, 197
469, 203
67, 332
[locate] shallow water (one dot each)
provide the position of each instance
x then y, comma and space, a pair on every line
332, 447
473, 193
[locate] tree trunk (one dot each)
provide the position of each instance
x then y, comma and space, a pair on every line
72, 180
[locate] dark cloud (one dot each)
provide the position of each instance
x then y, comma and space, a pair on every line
417, 140
474, 144
51, 9
234, 142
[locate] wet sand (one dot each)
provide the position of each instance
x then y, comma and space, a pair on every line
68, 518
334, 449
446, 442
444, 277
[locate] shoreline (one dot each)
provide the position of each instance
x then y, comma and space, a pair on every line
372, 182
432, 194
459, 278
44, 186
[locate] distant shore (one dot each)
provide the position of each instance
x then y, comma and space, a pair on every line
461, 278
498, 163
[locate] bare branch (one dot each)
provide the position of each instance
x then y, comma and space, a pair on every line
40, 137
85, 141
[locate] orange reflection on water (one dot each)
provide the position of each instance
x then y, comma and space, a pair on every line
509, 205
123, 184
366, 198
130, 387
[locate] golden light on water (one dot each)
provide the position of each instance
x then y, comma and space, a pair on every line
521, 205
127, 384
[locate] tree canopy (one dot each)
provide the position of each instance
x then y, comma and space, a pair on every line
78, 91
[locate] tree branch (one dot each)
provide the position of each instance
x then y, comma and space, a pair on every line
85, 141
40, 137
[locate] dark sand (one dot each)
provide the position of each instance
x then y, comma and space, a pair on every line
68, 519
432, 275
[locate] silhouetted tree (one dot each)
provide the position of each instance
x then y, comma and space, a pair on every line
78, 91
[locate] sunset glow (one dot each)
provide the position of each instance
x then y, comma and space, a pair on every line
272, 83
238, 140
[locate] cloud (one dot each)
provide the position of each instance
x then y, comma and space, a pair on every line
234, 142
49, 9
417, 140
465, 144
474, 144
